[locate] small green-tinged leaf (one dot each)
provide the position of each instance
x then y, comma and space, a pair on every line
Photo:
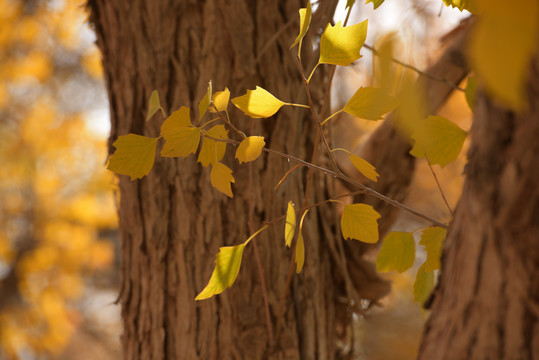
364, 167
250, 148
300, 246
181, 137
375, 3
423, 285
438, 138
340, 45
134, 155
227, 267
304, 22
213, 151
397, 252
221, 178
258, 103
360, 222
154, 105
432, 239
370, 103
220, 100
471, 89
290, 225
205, 102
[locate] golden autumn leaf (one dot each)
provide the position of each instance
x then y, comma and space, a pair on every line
304, 22
258, 103
364, 167
370, 103
300, 246
221, 178
360, 222
220, 100
181, 137
432, 239
290, 224
205, 102
250, 148
397, 252
340, 45
213, 151
423, 285
134, 155
154, 105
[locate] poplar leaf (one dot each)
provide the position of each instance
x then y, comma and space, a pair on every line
181, 137
304, 22
471, 89
350, 3
258, 103
432, 239
220, 100
340, 45
501, 46
205, 102
370, 103
221, 178
213, 151
290, 224
397, 252
227, 267
440, 139
154, 105
375, 3
250, 148
134, 155
423, 285
364, 167
461, 4
360, 222
300, 246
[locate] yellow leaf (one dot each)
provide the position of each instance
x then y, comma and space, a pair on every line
501, 47
250, 148
432, 239
300, 247
412, 108
364, 167
220, 100
397, 252
340, 45
205, 102
370, 103
290, 225
423, 285
359, 222
440, 139
462, 4
471, 89
304, 22
375, 3
221, 178
258, 103
227, 267
154, 105
134, 155
213, 151
181, 138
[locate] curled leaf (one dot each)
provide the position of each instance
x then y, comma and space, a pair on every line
364, 167
304, 22
250, 148
220, 100
290, 225
154, 105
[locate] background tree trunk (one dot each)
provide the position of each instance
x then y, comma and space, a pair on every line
487, 302
173, 222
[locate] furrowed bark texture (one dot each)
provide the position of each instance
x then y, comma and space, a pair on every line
173, 222
487, 302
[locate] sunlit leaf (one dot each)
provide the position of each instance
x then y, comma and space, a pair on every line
213, 151
181, 137
134, 155
340, 45
375, 3
227, 267
250, 148
221, 178
205, 102
397, 252
364, 167
258, 103
290, 224
423, 285
370, 103
220, 100
300, 246
304, 22
154, 105
501, 46
432, 239
360, 222
440, 139
471, 89
462, 4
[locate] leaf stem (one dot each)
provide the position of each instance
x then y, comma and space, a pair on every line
312, 72
332, 115
298, 105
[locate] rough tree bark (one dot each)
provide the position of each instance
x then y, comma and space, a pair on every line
173, 222
487, 302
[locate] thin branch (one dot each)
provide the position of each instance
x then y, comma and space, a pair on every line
439, 186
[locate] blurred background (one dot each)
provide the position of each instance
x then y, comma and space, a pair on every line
58, 224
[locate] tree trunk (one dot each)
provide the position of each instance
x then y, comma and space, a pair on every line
487, 302
173, 222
